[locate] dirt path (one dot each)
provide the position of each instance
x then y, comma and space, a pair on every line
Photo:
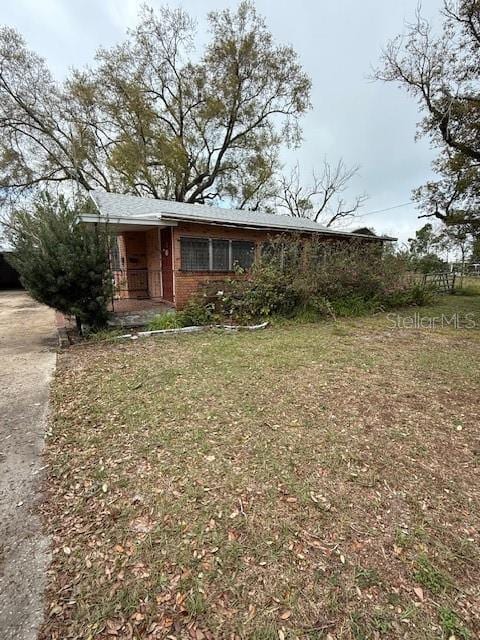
27, 360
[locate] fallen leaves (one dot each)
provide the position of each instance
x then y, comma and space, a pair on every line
192, 509
142, 524
419, 593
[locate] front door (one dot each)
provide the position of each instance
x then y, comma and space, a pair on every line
167, 263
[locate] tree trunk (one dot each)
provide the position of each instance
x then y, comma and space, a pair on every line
79, 325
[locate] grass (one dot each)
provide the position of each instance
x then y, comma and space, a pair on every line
308, 481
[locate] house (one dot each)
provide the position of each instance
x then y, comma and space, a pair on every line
165, 249
364, 231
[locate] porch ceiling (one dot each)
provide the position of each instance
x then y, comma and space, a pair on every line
128, 223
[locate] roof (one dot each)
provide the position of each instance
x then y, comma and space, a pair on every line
364, 231
115, 205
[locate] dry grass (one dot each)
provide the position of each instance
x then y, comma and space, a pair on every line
316, 481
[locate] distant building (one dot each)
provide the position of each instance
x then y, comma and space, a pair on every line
9, 278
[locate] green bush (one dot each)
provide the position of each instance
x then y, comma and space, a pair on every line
245, 300
169, 320
62, 262
413, 294
355, 305
194, 314
311, 280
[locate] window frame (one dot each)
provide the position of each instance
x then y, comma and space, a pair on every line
211, 240
192, 239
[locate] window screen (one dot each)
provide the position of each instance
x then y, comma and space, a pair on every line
195, 254
242, 253
115, 255
220, 255
206, 254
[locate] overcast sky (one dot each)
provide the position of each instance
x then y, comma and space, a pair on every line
338, 41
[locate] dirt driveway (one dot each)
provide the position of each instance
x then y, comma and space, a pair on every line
27, 357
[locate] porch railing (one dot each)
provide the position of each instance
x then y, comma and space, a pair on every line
137, 282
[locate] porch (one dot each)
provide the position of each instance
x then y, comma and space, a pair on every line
141, 262
121, 306
135, 312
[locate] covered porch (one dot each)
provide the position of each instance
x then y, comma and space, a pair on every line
141, 262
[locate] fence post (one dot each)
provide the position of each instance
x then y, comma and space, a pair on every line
453, 282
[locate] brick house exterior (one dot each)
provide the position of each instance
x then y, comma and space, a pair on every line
150, 258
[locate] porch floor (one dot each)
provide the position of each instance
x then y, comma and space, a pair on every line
135, 313
132, 305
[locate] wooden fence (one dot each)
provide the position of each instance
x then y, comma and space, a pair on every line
439, 282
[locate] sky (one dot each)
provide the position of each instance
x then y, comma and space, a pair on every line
365, 123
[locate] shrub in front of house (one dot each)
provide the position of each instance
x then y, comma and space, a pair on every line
194, 314
63, 263
313, 280
168, 320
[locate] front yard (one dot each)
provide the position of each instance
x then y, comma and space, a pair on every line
314, 481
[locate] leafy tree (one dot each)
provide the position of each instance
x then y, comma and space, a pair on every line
321, 200
423, 250
475, 250
443, 73
61, 262
426, 240
445, 240
460, 240
152, 117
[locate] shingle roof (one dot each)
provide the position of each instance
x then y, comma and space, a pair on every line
115, 205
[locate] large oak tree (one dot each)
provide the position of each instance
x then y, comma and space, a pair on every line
154, 117
442, 71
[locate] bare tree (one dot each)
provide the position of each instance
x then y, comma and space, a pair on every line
321, 200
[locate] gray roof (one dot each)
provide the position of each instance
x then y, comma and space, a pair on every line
116, 205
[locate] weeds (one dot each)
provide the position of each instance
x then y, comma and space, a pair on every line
452, 625
430, 577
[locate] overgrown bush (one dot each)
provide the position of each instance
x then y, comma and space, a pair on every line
196, 314
315, 279
62, 262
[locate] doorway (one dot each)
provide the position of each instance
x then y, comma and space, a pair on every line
167, 263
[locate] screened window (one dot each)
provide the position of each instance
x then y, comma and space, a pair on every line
208, 254
115, 255
220, 255
242, 253
195, 254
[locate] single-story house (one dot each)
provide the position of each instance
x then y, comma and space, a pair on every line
166, 249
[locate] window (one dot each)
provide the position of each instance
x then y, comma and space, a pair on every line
220, 255
195, 254
242, 253
207, 254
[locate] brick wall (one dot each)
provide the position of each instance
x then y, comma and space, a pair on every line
186, 283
